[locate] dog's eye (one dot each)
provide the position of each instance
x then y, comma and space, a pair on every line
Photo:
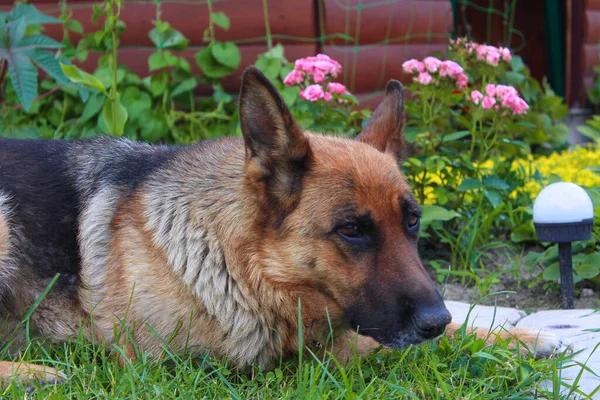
413, 221
350, 230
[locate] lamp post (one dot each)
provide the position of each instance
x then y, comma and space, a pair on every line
563, 213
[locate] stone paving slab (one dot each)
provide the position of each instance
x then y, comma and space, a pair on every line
571, 326
484, 316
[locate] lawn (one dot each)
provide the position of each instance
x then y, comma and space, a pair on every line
459, 367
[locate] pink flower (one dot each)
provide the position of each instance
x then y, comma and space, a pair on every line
305, 64
432, 64
462, 80
450, 68
490, 90
412, 66
476, 96
337, 88
424, 78
327, 96
318, 76
295, 77
312, 93
503, 90
506, 56
488, 102
493, 56
521, 107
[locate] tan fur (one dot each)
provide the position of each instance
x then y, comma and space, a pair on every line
4, 241
29, 372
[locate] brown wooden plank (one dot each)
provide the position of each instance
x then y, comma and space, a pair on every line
288, 19
370, 68
592, 4
425, 21
591, 30
591, 58
588, 82
136, 59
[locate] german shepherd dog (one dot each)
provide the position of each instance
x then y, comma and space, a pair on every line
222, 239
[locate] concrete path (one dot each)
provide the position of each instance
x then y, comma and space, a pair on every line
574, 327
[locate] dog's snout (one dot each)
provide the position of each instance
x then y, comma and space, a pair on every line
432, 322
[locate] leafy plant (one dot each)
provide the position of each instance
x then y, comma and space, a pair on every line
218, 59
114, 113
23, 48
591, 129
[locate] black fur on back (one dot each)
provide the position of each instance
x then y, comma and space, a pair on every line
48, 182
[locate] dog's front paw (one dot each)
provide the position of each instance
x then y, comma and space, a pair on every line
541, 344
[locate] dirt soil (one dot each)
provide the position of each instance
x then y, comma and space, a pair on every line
524, 298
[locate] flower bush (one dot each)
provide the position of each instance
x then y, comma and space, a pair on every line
328, 104
486, 138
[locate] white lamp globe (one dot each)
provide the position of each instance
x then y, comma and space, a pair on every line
563, 213
562, 202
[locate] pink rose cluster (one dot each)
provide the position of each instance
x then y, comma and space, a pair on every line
489, 54
432, 70
497, 96
315, 69
312, 74
317, 92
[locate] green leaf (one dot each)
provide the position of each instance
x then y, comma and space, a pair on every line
168, 39
74, 26
162, 59
211, 67
469, 184
92, 107
226, 53
154, 130
31, 15
220, 19
526, 233
587, 270
589, 132
115, 116
16, 31
436, 213
494, 197
38, 41
23, 77
47, 62
186, 86
79, 76
158, 84
482, 354
552, 272
455, 136
495, 183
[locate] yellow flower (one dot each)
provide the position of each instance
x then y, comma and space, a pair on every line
570, 166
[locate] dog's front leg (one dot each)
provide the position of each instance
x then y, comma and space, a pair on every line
29, 373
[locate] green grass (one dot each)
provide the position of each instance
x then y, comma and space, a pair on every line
459, 368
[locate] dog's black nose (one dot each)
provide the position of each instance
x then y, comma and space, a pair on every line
431, 322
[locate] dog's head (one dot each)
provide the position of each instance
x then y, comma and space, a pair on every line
337, 219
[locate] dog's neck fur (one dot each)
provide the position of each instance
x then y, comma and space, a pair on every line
226, 280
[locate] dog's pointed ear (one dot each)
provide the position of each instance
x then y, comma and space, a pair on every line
385, 128
277, 151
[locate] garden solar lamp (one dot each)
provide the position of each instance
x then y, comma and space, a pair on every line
563, 213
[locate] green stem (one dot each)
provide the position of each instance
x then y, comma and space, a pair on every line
211, 27
267, 25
